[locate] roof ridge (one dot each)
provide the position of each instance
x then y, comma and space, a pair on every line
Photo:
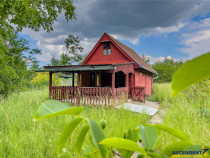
133, 55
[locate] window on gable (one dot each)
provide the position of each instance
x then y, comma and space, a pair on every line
107, 49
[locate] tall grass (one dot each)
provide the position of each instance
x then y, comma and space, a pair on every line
21, 137
189, 111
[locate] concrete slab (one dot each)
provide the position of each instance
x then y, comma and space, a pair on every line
138, 108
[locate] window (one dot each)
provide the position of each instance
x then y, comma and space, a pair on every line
106, 45
107, 49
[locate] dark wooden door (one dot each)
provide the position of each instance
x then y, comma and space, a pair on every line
92, 79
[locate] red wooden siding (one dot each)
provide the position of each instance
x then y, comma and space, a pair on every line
144, 80
148, 88
115, 57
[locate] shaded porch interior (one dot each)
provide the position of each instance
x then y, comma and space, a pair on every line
95, 84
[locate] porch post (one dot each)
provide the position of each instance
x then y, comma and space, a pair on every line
127, 85
113, 86
72, 79
132, 85
78, 88
50, 84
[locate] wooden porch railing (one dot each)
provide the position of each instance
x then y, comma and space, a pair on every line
83, 95
95, 95
137, 93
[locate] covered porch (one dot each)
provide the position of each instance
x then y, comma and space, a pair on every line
106, 85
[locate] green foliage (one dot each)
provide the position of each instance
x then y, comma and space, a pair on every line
53, 108
145, 58
72, 54
191, 72
16, 15
172, 131
21, 137
42, 79
149, 136
125, 144
100, 145
81, 138
17, 65
97, 135
15, 55
177, 146
65, 135
103, 123
188, 112
166, 69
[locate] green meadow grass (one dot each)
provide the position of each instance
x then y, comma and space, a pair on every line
189, 112
21, 137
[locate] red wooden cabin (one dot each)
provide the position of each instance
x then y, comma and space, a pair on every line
110, 70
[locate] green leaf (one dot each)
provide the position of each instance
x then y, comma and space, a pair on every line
172, 131
156, 154
53, 108
148, 135
68, 130
133, 134
177, 146
191, 72
123, 144
97, 136
81, 138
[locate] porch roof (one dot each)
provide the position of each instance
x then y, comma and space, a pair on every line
76, 68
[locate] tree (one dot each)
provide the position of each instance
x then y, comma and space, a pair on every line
18, 64
16, 15
145, 58
54, 61
166, 69
73, 49
72, 54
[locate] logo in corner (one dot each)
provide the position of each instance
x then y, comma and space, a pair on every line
204, 151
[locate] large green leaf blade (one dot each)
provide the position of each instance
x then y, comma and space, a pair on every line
132, 134
81, 138
148, 135
68, 130
97, 136
177, 146
191, 72
123, 144
53, 108
172, 131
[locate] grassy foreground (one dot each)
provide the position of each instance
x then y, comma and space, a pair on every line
21, 137
189, 112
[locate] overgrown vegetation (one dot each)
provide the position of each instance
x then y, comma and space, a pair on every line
17, 62
166, 69
188, 111
21, 137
